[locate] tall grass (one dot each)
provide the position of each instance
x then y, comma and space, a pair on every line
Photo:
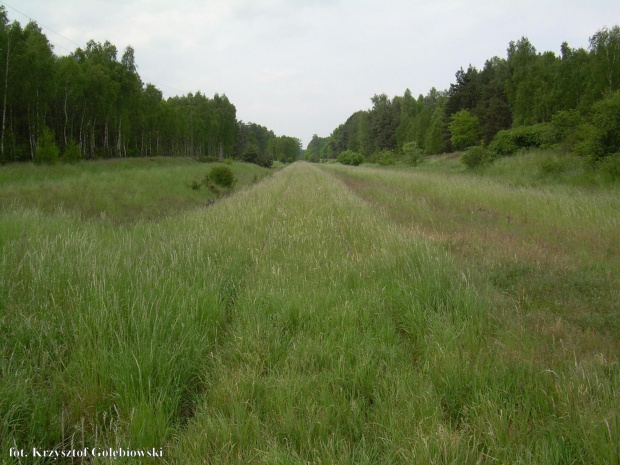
548, 260
297, 321
121, 190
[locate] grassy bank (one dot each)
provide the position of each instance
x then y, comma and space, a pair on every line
123, 190
324, 315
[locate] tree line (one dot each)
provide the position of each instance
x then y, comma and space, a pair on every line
90, 104
528, 99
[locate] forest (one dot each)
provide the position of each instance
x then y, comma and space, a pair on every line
527, 100
90, 104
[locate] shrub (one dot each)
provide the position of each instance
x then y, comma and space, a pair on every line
72, 153
476, 156
604, 138
222, 176
47, 150
414, 155
565, 122
252, 154
386, 157
503, 143
349, 157
508, 141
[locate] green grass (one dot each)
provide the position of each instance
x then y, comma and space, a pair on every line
533, 168
122, 190
326, 314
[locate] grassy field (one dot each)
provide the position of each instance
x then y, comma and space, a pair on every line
123, 190
326, 314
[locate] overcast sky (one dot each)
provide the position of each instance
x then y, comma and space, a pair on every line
302, 67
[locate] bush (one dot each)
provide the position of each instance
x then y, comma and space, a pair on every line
414, 155
252, 154
565, 122
604, 137
47, 150
222, 176
349, 157
476, 156
508, 141
72, 153
503, 143
385, 157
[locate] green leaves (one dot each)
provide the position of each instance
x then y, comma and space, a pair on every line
222, 176
47, 151
464, 129
349, 157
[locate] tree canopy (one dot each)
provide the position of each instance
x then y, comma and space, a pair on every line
96, 105
526, 88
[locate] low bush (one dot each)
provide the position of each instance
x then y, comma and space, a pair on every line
413, 154
386, 157
476, 156
252, 154
508, 141
565, 122
72, 153
602, 135
349, 157
222, 176
47, 150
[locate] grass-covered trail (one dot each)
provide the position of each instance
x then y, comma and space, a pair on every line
294, 322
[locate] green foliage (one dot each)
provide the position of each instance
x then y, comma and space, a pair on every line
605, 47
72, 153
222, 176
349, 157
604, 139
476, 156
610, 166
285, 149
96, 96
413, 154
551, 165
384, 121
385, 157
464, 129
47, 150
252, 154
503, 144
565, 122
435, 138
508, 141
315, 149
208, 159
312, 157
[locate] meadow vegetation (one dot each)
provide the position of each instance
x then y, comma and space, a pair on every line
122, 190
327, 314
